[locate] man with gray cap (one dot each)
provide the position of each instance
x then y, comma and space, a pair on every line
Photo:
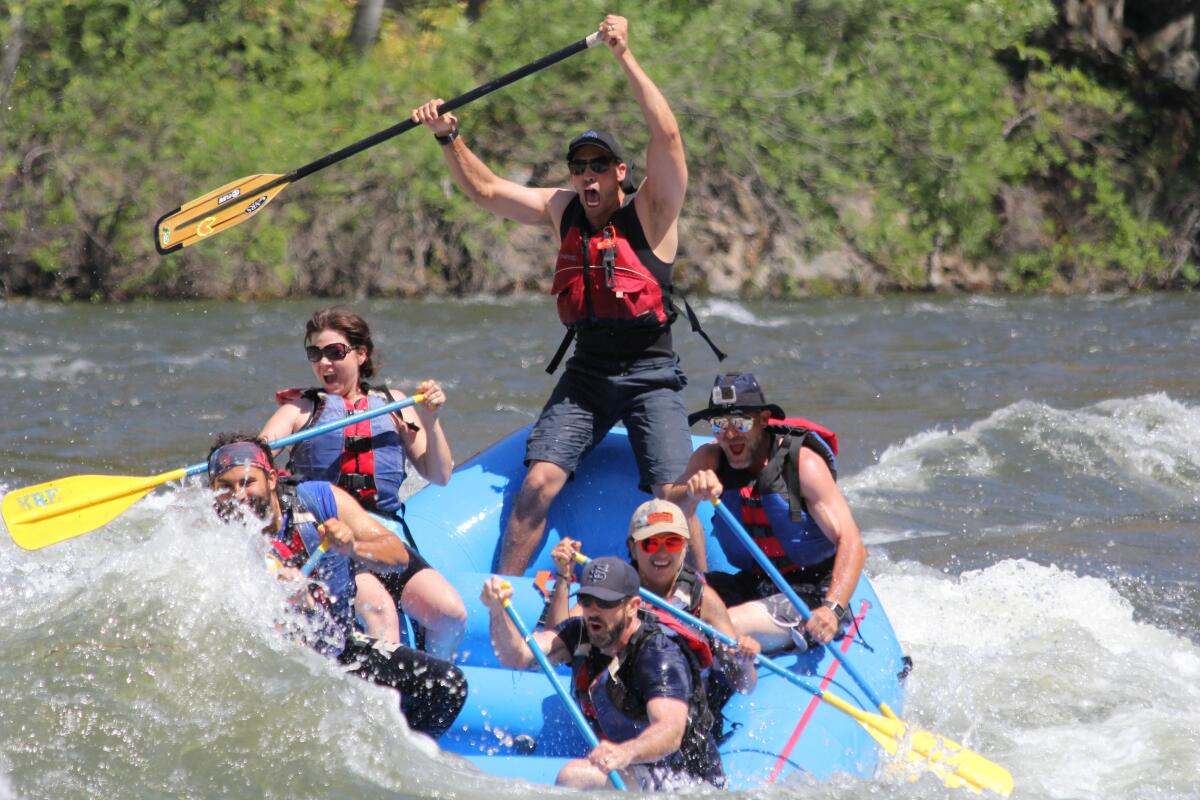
636, 682
613, 283
777, 476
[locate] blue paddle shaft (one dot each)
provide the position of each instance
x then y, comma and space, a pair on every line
791, 595
314, 560
308, 433
704, 627
568, 701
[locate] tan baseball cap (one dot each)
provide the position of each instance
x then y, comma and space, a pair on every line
658, 516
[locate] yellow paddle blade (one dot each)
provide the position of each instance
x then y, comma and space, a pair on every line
222, 208
47, 513
918, 749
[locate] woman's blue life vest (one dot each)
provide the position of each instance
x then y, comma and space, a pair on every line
366, 459
616, 710
770, 504
306, 505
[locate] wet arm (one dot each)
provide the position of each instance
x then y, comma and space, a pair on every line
373, 544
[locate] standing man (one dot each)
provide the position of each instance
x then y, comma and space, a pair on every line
636, 682
613, 284
778, 478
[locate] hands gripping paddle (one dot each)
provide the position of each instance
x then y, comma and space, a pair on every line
568, 701
237, 201
51, 512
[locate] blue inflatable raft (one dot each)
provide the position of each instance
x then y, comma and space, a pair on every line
514, 725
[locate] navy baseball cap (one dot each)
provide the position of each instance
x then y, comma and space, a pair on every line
609, 578
602, 139
732, 393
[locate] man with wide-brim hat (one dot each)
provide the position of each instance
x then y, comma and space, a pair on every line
777, 476
613, 283
636, 682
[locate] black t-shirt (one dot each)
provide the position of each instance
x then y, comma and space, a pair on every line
661, 669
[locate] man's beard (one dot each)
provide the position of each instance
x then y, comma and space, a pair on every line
607, 637
235, 510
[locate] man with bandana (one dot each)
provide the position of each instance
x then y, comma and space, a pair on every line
303, 520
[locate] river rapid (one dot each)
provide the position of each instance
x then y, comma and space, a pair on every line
1026, 473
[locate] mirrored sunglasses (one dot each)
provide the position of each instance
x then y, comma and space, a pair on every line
671, 542
587, 601
739, 424
598, 165
334, 352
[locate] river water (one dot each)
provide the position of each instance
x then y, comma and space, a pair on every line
1026, 473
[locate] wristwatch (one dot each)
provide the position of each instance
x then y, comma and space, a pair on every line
840, 611
448, 138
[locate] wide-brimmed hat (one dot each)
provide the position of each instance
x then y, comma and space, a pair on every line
609, 578
658, 516
733, 393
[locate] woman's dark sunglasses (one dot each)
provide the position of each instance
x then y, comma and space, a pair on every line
587, 601
598, 165
334, 352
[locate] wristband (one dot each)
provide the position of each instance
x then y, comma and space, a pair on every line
448, 138
840, 611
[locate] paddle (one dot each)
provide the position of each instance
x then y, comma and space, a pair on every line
51, 512
237, 201
562, 693
801, 606
954, 764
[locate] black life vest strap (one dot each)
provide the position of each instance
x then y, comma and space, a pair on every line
693, 321
568, 337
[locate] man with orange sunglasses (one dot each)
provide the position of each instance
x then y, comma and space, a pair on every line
658, 543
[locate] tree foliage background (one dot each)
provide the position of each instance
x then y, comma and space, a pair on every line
833, 145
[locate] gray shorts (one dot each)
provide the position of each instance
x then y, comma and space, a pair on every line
592, 396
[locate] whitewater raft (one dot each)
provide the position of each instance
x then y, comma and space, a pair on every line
514, 725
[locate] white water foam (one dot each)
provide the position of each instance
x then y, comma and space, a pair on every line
1121, 454
1048, 674
736, 312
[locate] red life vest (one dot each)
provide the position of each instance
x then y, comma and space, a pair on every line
612, 283
604, 280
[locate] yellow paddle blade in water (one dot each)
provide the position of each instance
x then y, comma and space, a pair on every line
222, 208
41, 515
917, 749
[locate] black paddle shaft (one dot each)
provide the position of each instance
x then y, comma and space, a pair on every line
449, 105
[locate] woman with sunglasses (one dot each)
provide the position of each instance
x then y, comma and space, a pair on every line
778, 477
368, 459
658, 548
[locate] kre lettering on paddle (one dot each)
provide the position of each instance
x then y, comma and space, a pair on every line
39, 499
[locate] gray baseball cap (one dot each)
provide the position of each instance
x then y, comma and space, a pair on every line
609, 578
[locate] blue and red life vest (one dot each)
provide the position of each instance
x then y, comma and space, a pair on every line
613, 291
306, 505
366, 458
616, 710
770, 505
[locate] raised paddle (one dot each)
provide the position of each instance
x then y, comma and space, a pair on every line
51, 512
568, 701
237, 201
801, 606
954, 764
